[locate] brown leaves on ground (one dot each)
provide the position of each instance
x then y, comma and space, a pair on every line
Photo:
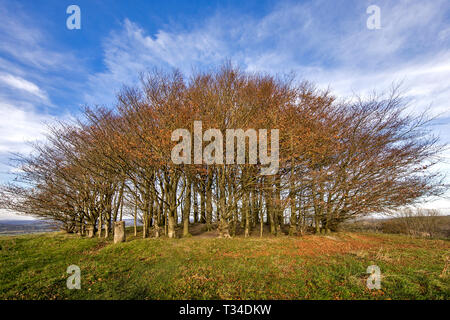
313, 245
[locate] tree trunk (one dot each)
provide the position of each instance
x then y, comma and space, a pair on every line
135, 218
156, 215
90, 231
246, 200
187, 208
209, 207
278, 207
100, 227
121, 209
293, 219
202, 204
223, 214
195, 202
171, 225
106, 230
144, 221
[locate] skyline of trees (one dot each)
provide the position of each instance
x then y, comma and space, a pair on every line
337, 159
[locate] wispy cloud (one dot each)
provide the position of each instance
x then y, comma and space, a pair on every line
129, 51
326, 45
22, 39
22, 125
28, 68
15, 82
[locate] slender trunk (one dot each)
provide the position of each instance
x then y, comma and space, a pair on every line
121, 209
119, 201
144, 227
187, 208
165, 221
171, 191
278, 208
209, 207
223, 214
195, 202
156, 215
261, 213
293, 218
171, 225
253, 211
235, 217
100, 227
144, 214
247, 215
261, 224
270, 211
202, 204
106, 230
135, 219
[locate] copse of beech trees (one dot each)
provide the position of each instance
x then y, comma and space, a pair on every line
337, 159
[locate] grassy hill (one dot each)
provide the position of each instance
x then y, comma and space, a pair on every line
310, 267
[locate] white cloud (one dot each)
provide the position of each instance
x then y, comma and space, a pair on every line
131, 51
23, 85
19, 126
10, 215
28, 69
329, 48
423, 82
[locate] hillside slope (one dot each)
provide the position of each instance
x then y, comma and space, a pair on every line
311, 267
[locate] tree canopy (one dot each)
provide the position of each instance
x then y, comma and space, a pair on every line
337, 159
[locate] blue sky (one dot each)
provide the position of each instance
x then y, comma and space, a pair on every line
48, 71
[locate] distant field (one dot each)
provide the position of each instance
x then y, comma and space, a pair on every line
439, 228
312, 267
16, 227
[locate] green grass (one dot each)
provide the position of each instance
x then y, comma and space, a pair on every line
312, 267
